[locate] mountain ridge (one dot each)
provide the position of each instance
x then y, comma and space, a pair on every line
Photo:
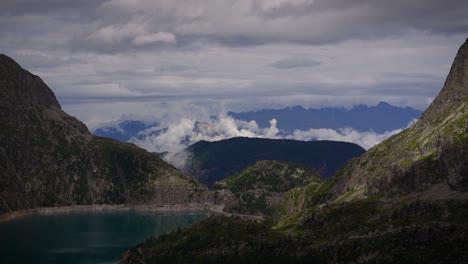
327, 117
214, 161
42, 148
380, 118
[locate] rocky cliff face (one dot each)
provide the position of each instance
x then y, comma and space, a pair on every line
455, 90
49, 158
433, 151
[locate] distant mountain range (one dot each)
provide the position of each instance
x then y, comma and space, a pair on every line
124, 131
380, 118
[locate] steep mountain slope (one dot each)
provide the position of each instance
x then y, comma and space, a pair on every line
380, 118
433, 151
421, 172
404, 201
49, 158
261, 186
214, 161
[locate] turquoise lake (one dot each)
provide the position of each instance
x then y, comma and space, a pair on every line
91, 237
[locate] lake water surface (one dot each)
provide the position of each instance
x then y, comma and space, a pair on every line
91, 237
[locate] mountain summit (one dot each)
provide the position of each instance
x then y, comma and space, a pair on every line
455, 89
19, 86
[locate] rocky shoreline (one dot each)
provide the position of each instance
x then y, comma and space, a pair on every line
157, 208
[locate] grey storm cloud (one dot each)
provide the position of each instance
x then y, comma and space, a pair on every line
244, 54
295, 62
116, 25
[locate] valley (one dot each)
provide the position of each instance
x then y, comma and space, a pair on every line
256, 200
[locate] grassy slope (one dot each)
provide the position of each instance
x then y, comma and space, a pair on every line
260, 186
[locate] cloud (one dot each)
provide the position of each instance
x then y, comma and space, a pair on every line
272, 131
96, 24
366, 139
295, 62
363, 139
115, 33
163, 37
187, 131
401, 72
106, 54
136, 32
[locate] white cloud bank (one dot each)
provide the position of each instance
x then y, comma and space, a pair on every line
366, 139
187, 131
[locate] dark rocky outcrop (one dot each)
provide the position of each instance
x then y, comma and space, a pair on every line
455, 89
49, 158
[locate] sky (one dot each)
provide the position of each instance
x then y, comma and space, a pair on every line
110, 60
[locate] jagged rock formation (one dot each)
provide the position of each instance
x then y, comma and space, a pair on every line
404, 200
49, 158
260, 187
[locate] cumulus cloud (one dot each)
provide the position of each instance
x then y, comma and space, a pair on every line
364, 139
178, 135
187, 131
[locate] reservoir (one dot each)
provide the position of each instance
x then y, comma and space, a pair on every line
83, 237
